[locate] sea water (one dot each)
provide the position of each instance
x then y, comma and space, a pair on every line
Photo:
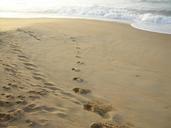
150, 15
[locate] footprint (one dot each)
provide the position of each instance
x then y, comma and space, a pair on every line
12, 85
17, 50
11, 115
137, 75
2, 94
76, 69
38, 78
14, 45
78, 47
30, 65
49, 84
11, 70
81, 91
29, 107
117, 119
35, 124
78, 79
23, 57
23, 60
21, 87
10, 96
23, 102
31, 68
5, 103
79, 62
38, 74
32, 97
67, 94
6, 88
21, 97
107, 125
73, 39
42, 92
51, 88
5, 117
78, 56
34, 107
30, 33
9, 66
98, 107
61, 114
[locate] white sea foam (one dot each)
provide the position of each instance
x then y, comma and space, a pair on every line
143, 14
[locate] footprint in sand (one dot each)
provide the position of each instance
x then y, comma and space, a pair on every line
38, 124
67, 94
34, 107
117, 119
80, 63
10, 96
49, 84
78, 79
33, 97
30, 65
38, 74
12, 85
11, 71
29, 33
21, 97
78, 56
6, 103
17, 51
73, 39
12, 66
76, 69
137, 75
11, 115
31, 68
13, 45
23, 57
99, 108
51, 88
21, 102
81, 91
39, 78
108, 125
61, 114
41, 92
11, 100
78, 47
6, 88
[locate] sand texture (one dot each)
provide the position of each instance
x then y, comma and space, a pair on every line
61, 73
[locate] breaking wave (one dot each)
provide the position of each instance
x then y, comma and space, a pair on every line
138, 18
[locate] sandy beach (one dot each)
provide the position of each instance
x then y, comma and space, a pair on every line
69, 73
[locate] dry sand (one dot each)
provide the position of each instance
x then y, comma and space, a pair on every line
79, 74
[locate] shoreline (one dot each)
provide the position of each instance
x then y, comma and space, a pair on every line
133, 25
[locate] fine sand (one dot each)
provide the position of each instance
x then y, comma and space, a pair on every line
63, 73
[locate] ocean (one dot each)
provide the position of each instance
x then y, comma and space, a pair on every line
150, 15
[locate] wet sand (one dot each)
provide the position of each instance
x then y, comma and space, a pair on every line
63, 73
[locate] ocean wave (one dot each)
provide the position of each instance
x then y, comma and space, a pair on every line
114, 13
97, 12
132, 15
153, 19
